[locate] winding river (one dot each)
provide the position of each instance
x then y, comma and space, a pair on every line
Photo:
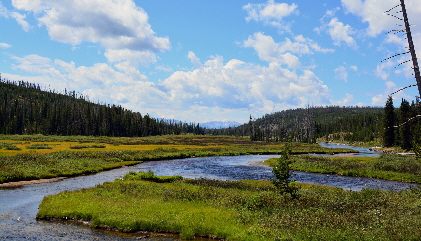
18, 206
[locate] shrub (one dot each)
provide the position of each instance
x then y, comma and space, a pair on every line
150, 176
281, 170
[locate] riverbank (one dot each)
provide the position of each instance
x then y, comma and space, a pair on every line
38, 181
394, 167
24, 158
241, 210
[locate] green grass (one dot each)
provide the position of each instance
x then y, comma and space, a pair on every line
388, 166
64, 157
241, 210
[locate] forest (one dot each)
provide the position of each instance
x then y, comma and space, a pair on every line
27, 109
387, 125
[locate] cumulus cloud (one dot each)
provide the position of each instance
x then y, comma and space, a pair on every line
282, 52
270, 13
340, 32
244, 86
370, 12
217, 89
117, 24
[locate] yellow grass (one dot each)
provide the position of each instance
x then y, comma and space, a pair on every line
65, 146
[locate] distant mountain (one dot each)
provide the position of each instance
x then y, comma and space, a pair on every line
219, 124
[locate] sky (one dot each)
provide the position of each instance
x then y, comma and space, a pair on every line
202, 61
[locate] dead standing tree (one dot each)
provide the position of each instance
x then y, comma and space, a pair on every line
407, 30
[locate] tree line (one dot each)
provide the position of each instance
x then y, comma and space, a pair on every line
402, 126
351, 123
27, 109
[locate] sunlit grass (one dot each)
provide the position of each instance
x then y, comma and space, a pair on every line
19, 162
242, 210
391, 167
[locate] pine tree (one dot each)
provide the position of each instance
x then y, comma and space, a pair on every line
389, 123
404, 129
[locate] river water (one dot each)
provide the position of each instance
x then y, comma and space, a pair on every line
18, 206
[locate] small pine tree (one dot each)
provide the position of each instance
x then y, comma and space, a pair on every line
389, 123
281, 170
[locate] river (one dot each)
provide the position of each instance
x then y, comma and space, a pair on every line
18, 206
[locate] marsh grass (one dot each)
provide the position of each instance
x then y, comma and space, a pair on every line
388, 166
241, 210
76, 155
39, 146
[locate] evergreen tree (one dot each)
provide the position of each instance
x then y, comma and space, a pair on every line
389, 123
404, 129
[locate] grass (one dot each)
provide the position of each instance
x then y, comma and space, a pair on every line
27, 157
388, 166
240, 210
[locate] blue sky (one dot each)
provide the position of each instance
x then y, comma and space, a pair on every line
201, 61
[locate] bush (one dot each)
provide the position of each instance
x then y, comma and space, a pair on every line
150, 176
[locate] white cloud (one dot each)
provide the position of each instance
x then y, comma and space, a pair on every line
194, 59
245, 87
344, 101
134, 57
371, 11
270, 51
391, 87
353, 67
341, 33
270, 13
164, 68
20, 18
5, 45
218, 89
117, 24
341, 73
383, 69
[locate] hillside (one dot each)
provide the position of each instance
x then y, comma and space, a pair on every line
307, 124
26, 109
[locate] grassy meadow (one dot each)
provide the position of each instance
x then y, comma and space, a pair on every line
28, 157
388, 166
239, 210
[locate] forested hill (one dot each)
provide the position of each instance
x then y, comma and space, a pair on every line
26, 109
307, 124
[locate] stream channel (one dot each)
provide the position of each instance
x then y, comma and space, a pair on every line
18, 206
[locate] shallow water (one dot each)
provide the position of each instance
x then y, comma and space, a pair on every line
18, 206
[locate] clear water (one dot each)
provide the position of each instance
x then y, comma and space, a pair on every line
18, 206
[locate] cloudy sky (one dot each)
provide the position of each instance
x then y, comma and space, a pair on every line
201, 61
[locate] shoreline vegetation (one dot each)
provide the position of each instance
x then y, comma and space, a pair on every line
31, 157
228, 210
238, 210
